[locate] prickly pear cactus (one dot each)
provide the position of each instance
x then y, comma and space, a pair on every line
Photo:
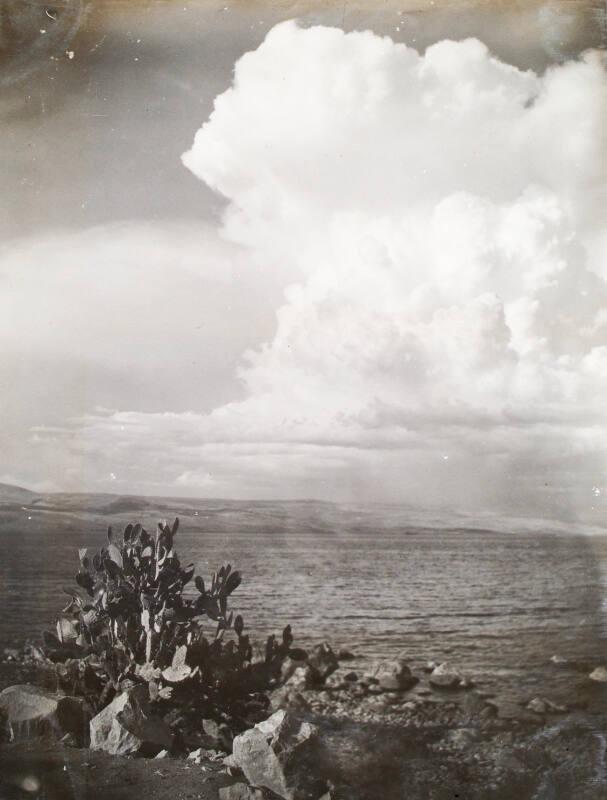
130, 620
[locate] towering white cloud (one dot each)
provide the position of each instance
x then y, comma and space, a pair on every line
445, 338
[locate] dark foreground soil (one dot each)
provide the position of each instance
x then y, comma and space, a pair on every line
48, 771
417, 745
563, 760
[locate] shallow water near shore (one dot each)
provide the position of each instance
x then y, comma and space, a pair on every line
498, 605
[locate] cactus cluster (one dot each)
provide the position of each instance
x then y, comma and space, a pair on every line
131, 621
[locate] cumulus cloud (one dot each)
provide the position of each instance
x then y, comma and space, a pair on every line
445, 337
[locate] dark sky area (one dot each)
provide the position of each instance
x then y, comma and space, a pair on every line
143, 76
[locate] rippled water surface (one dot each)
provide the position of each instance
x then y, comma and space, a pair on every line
498, 605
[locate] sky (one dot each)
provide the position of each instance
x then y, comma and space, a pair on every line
307, 250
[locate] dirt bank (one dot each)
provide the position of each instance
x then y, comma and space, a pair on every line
51, 771
559, 760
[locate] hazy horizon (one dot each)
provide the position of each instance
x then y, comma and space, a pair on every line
357, 257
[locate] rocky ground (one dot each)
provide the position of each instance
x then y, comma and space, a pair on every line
386, 734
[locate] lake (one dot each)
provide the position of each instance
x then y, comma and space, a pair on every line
498, 605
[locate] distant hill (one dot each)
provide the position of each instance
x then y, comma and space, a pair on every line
297, 515
15, 494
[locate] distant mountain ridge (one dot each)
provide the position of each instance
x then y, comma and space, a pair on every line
15, 494
300, 514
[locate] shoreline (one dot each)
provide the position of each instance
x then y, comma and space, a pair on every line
368, 761
435, 743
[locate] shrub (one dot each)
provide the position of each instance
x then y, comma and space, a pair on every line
131, 622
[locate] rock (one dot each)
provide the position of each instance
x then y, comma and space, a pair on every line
323, 660
289, 665
489, 713
537, 705
10, 654
356, 689
218, 734
277, 754
213, 755
31, 712
460, 738
430, 666
476, 709
377, 705
302, 678
599, 674
560, 660
335, 681
394, 676
445, 677
69, 740
473, 705
35, 653
241, 791
195, 755
128, 726
232, 767
351, 676
162, 754
288, 698
202, 754
345, 655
